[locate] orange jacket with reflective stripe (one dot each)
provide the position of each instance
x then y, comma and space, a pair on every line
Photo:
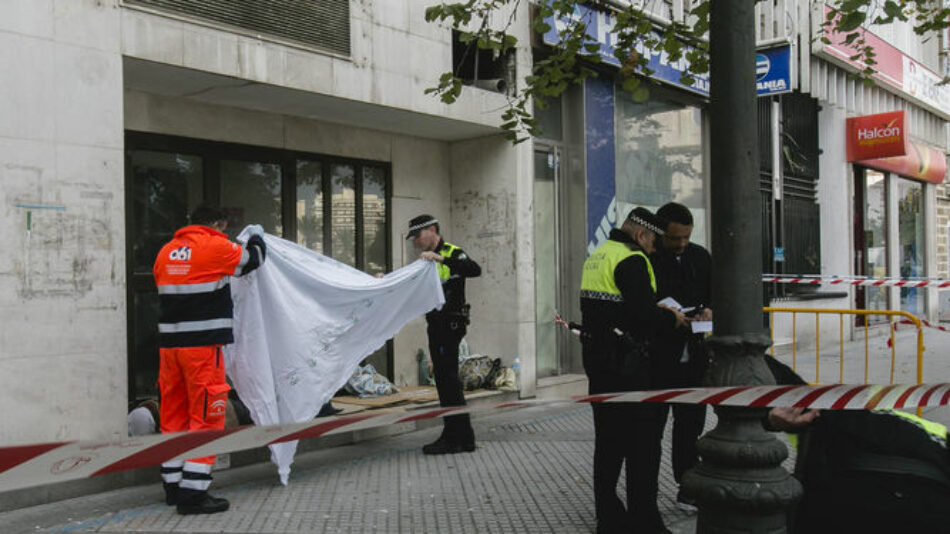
193, 273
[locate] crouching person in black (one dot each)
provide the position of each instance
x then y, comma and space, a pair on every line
446, 328
865, 470
621, 317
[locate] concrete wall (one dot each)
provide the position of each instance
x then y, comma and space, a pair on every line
62, 276
492, 220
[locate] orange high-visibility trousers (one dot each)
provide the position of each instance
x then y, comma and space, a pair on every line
194, 393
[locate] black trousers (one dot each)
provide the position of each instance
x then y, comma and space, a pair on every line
444, 339
688, 419
629, 433
688, 423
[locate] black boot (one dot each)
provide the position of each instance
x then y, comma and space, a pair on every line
200, 502
462, 433
457, 436
171, 493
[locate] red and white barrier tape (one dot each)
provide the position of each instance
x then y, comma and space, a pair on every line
854, 281
923, 322
46, 463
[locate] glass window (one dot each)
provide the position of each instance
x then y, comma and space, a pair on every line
374, 220
660, 157
343, 211
910, 233
171, 176
549, 118
250, 194
875, 238
309, 210
166, 187
545, 261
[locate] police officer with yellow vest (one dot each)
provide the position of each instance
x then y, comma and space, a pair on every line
446, 328
620, 318
865, 470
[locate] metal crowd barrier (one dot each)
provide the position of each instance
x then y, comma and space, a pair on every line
890, 314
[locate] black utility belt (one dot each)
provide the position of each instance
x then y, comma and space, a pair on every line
457, 315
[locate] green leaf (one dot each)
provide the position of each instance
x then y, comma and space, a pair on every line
852, 21
433, 12
641, 94
893, 10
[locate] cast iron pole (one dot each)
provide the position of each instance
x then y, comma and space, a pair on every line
739, 484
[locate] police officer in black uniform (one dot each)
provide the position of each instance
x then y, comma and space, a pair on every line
446, 328
620, 319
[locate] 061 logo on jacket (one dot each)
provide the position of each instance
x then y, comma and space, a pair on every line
180, 254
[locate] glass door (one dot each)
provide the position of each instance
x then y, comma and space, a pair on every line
870, 238
165, 188
910, 232
546, 260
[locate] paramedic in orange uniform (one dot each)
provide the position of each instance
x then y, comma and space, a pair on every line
193, 272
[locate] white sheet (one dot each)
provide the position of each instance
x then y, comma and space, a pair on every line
302, 324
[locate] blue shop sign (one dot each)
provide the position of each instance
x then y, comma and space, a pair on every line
773, 73
773, 66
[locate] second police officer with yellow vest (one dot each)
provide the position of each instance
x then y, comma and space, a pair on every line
620, 318
446, 328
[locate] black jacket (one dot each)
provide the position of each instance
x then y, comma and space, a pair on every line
638, 315
460, 267
687, 279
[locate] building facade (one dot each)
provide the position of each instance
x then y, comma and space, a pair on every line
120, 116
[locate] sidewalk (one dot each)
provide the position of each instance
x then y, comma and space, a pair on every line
530, 473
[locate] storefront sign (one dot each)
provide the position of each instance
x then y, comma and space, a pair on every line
773, 72
876, 136
921, 162
773, 66
600, 26
923, 84
893, 68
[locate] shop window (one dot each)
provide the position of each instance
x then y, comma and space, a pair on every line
309, 197
659, 157
910, 234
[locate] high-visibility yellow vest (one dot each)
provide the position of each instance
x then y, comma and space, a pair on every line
446, 251
936, 431
597, 280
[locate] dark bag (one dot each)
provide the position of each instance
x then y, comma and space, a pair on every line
493, 373
473, 371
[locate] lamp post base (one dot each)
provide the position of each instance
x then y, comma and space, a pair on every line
740, 484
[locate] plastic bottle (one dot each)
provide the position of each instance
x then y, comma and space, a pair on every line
516, 367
